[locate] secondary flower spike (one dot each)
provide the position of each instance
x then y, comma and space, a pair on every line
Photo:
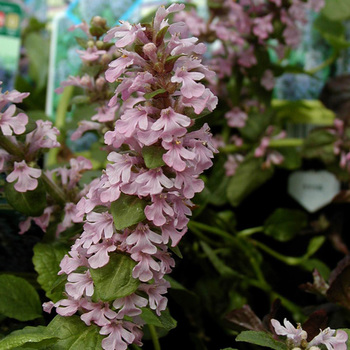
154, 164
331, 338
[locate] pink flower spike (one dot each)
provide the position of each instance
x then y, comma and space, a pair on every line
25, 175
326, 337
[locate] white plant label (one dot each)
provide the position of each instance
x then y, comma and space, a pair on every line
313, 189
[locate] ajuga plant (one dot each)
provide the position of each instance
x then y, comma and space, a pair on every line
137, 211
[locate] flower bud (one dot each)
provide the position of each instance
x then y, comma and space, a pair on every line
100, 44
100, 83
150, 50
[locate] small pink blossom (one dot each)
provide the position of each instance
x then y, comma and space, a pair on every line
236, 118
268, 80
296, 335
10, 124
26, 177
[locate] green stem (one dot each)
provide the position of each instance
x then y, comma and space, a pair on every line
10, 147
211, 229
60, 122
290, 142
55, 192
249, 231
324, 64
233, 148
154, 337
204, 238
134, 346
289, 260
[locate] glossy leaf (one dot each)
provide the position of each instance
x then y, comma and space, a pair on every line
248, 177
127, 211
73, 334
46, 260
163, 321
152, 156
262, 339
284, 224
19, 299
36, 337
155, 93
114, 280
31, 203
337, 10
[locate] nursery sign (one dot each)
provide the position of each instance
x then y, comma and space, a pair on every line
10, 30
313, 189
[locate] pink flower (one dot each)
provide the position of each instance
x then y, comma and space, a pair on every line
80, 284
236, 118
99, 253
130, 305
268, 80
154, 291
10, 124
91, 54
296, 335
126, 34
44, 136
232, 163
156, 212
172, 124
99, 313
177, 155
84, 126
331, 341
25, 176
263, 26
143, 240
189, 87
118, 337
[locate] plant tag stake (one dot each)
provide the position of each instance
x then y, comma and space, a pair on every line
313, 189
10, 42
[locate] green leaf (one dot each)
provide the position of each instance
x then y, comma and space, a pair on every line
37, 50
73, 334
169, 63
332, 31
248, 177
337, 10
127, 211
163, 321
153, 156
161, 34
314, 245
46, 260
319, 144
28, 335
303, 112
19, 299
284, 224
156, 93
262, 339
255, 126
219, 265
291, 158
115, 280
31, 203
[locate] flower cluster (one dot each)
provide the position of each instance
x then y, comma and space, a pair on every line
341, 145
18, 157
244, 35
297, 337
155, 163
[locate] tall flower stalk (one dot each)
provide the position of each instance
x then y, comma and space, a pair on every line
140, 205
